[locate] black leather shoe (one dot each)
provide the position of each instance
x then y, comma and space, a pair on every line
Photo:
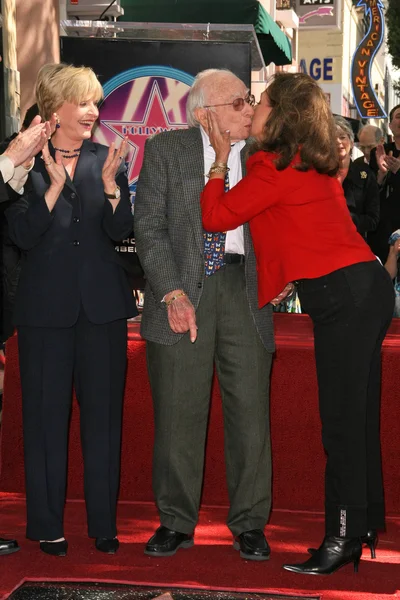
370, 539
165, 542
253, 545
54, 548
8, 546
107, 545
334, 553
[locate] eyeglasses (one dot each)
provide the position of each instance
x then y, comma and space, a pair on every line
238, 103
366, 147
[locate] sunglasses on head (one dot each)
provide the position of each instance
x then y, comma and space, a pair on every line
238, 103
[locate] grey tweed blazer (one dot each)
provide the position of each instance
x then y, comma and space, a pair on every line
169, 233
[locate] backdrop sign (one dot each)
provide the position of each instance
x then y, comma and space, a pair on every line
139, 103
365, 98
318, 14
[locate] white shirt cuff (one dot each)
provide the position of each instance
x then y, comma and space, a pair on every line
20, 176
6, 168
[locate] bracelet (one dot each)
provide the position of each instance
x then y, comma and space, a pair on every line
218, 168
171, 300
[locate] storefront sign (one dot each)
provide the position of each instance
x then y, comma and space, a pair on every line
318, 14
365, 98
320, 69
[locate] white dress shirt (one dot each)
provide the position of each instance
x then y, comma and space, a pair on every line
234, 243
15, 176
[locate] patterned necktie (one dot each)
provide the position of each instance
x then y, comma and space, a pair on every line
214, 245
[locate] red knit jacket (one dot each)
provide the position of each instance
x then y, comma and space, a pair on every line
299, 222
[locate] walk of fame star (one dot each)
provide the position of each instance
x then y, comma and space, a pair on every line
155, 120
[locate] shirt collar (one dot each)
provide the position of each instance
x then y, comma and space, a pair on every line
236, 147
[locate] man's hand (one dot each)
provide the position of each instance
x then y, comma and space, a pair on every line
181, 315
381, 159
392, 163
395, 248
27, 144
287, 291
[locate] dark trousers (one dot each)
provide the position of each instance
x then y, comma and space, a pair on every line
93, 357
181, 377
351, 310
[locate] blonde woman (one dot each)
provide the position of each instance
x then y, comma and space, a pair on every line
71, 308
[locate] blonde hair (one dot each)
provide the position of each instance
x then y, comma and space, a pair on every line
59, 83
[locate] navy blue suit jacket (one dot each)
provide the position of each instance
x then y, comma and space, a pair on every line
69, 256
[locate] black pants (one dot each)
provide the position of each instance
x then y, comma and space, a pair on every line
351, 309
93, 357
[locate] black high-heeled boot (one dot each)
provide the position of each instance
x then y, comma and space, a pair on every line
334, 553
370, 539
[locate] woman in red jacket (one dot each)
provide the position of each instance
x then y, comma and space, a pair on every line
302, 231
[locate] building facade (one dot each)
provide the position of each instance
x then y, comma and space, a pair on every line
326, 53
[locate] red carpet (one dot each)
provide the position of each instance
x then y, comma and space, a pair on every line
298, 464
298, 459
211, 563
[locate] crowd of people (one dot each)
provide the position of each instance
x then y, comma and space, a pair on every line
218, 210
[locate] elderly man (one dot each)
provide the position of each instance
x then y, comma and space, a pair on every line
15, 164
201, 309
369, 138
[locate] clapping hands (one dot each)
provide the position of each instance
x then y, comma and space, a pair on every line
23, 148
112, 164
386, 162
55, 168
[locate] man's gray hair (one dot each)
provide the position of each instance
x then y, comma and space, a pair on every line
345, 126
197, 98
377, 132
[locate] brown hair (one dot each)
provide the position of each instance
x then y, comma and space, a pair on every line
300, 121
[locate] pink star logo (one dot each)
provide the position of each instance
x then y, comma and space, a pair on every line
155, 120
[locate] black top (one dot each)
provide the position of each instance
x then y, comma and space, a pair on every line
362, 196
389, 206
391, 185
10, 257
69, 253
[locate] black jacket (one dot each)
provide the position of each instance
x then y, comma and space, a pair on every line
362, 197
69, 255
10, 257
389, 206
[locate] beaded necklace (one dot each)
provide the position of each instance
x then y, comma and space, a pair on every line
66, 153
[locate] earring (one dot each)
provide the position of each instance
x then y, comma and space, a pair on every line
58, 122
